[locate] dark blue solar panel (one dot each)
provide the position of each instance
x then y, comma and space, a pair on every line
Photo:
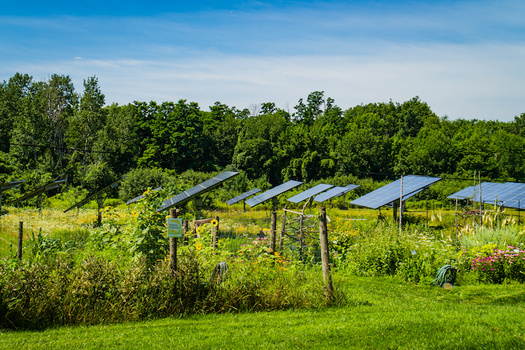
309, 193
515, 196
334, 192
411, 184
11, 184
243, 196
93, 195
508, 194
138, 198
197, 190
488, 192
47, 187
277, 190
463, 194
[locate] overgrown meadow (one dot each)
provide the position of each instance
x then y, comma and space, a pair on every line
73, 273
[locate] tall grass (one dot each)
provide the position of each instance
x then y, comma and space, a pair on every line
381, 313
74, 273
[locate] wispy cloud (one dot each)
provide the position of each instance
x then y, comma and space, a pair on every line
463, 58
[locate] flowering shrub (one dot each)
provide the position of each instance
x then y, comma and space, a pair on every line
500, 265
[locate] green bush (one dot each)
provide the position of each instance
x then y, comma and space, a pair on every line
139, 180
414, 255
98, 290
489, 264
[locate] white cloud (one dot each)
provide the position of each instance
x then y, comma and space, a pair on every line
483, 81
442, 53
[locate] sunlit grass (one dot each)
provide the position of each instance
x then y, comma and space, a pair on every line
380, 313
48, 221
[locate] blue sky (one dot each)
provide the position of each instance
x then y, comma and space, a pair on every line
466, 59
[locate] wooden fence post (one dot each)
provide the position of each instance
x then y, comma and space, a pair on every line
273, 231
20, 239
173, 246
325, 257
281, 234
185, 229
215, 233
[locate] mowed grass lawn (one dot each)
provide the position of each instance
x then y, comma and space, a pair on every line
379, 313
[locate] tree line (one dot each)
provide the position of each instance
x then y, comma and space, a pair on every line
48, 129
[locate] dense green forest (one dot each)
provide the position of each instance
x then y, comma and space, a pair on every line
48, 129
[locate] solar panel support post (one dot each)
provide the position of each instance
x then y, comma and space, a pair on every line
275, 203
395, 207
100, 205
0, 203
198, 207
40, 199
173, 246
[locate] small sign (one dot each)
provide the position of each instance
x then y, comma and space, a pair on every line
174, 227
413, 252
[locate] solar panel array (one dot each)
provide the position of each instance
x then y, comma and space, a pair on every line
412, 184
9, 185
473, 192
309, 193
334, 192
95, 194
138, 198
271, 193
243, 196
201, 188
45, 188
509, 194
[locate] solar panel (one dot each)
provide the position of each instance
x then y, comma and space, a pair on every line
243, 196
95, 194
510, 194
309, 193
515, 198
387, 194
463, 194
334, 192
138, 198
201, 188
271, 193
38, 191
11, 184
491, 192
7, 186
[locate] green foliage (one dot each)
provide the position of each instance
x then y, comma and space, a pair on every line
49, 128
397, 316
139, 180
147, 236
500, 237
99, 290
488, 264
415, 255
